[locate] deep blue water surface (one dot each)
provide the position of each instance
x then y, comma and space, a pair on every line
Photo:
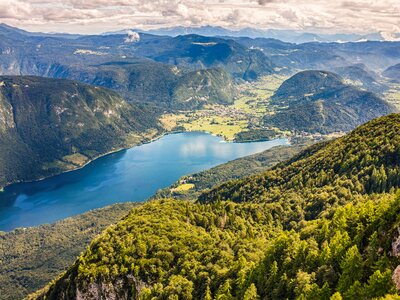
129, 175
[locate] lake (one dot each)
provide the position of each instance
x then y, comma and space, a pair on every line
128, 175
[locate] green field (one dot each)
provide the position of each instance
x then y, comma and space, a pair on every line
228, 120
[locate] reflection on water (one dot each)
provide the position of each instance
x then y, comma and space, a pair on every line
129, 175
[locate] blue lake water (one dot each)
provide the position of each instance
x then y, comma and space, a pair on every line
129, 175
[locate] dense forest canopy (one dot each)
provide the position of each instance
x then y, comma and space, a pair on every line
323, 224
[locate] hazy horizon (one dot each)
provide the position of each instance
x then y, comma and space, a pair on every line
98, 16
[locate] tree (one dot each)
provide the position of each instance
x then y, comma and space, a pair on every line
179, 287
336, 296
352, 269
251, 293
224, 291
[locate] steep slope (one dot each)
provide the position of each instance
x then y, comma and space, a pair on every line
393, 73
23, 269
359, 75
112, 62
199, 52
155, 83
48, 126
319, 101
204, 86
22, 248
365, 161
318, 225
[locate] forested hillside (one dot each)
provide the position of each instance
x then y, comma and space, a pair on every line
31, 257
62, 242
393, 73
320, 101
60, 125
323, 225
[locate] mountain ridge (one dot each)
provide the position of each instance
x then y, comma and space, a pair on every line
319, 101
61, 125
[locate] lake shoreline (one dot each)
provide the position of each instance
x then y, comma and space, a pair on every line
135, 174
143, 142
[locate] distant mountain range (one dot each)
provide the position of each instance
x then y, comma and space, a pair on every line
319, 101
291, 36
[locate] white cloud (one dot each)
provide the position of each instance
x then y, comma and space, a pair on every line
90, 16
132, 37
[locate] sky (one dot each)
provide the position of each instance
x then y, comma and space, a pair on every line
96, 16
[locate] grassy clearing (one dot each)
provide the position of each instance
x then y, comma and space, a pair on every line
170, 121
255, 96
58, 165
76, 159
183, 187
223, 126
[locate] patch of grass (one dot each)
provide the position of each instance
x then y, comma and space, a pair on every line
223, 126
170, 121
76, 159
184, 187
57, 165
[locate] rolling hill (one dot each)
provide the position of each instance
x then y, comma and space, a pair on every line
50, 125
319, 101
393, 73
359, 75
322, 224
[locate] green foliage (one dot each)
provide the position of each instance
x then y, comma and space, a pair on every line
201, 87
46, 120
319, 226
313, 263
235, 169
31, 257
177, 248
319, 101
324, 176
255, 135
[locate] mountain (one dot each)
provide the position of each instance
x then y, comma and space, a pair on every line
23, 269
21, 247
359, 75
8, 30
204, 86
48, 126
369, 153
156, 83
322, 224
200, 52
244, 58
393, 73
325, 56
292, 36
319, 101
126, 67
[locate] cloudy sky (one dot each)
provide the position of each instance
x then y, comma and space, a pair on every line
94, 16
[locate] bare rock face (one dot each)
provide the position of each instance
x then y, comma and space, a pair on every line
119, 289
396, 277
396, 245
